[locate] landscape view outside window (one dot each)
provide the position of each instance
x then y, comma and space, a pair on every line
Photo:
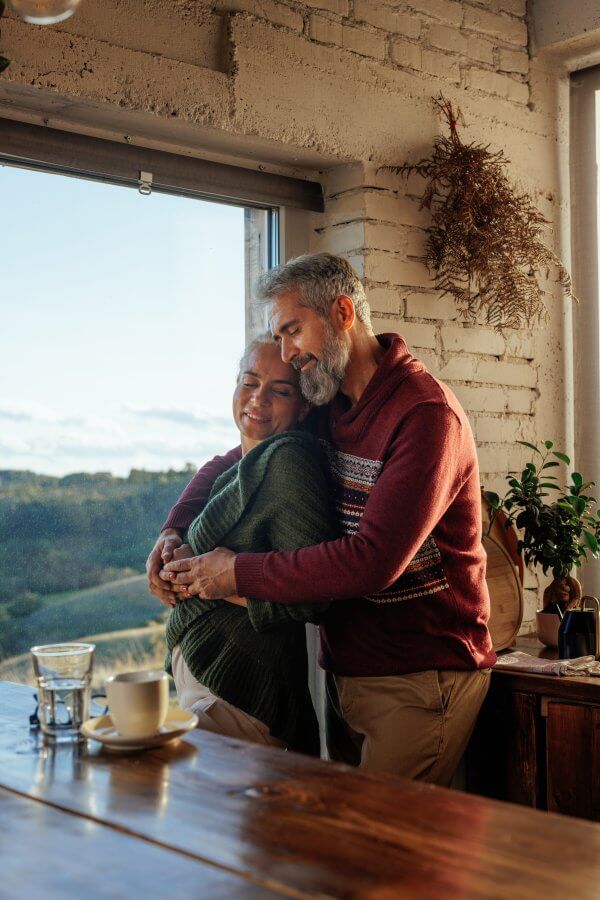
122, 327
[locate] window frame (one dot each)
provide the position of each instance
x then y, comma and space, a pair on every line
585, 253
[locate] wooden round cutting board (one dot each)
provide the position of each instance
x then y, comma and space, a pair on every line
506, 594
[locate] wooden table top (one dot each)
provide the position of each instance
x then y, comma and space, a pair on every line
214, 817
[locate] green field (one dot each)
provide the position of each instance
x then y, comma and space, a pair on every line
112, 607
117, 651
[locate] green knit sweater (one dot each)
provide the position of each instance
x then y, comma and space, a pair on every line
276, 497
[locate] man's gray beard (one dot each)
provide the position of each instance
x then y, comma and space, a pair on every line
322, 381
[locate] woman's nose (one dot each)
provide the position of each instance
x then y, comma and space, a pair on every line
260, 396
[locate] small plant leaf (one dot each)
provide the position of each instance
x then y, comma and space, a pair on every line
531, 446
548, 445
577, 479
592, 542
492, 498
550, 465
4, 63
562, 456
2, 8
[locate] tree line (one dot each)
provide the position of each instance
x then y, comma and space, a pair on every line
78, 531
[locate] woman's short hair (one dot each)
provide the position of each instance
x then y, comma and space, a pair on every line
319, 278
262, 339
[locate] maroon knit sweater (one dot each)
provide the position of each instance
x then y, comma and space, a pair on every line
410, 570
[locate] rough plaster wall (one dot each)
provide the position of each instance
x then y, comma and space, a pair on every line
353, 80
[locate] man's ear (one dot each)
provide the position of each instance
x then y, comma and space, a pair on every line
342, 313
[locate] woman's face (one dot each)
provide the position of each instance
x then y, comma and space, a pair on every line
267, 398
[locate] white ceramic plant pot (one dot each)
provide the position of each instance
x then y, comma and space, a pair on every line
548, 624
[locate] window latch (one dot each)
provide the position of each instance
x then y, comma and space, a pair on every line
145, 183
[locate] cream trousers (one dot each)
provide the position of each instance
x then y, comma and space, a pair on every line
215, 714
415, 725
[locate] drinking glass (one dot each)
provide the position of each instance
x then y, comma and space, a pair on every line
44, 12
63, 673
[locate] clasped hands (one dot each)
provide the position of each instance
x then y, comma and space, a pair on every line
210, 576
174, 573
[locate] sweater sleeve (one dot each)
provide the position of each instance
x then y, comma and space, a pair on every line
193, 499
421, 476
300, 513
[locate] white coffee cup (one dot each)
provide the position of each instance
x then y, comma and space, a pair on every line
138, 702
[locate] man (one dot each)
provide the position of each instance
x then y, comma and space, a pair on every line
406, 647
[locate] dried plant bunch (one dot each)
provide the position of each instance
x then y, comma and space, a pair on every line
484, 245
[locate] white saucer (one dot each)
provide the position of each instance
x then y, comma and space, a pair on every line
102, 729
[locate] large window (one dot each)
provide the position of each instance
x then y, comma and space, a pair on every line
123, 320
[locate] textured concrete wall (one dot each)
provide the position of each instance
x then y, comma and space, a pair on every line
348, 81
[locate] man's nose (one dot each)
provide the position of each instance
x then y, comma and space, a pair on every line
288, 351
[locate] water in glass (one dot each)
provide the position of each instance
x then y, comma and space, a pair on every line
63, 673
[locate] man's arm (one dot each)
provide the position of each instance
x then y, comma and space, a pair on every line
419, 481
420, 478
193, 499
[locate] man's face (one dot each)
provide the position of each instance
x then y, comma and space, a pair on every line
312, 345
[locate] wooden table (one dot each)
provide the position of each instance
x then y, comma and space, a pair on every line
214, 817
537, 739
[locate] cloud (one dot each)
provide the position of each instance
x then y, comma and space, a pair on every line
15, 416
182, 417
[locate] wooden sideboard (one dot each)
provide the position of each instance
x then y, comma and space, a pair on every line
537, 740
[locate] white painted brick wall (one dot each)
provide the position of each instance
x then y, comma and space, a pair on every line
473, 340
381, 15
504, 28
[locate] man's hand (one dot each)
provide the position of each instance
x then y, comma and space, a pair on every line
237, 601
210, 576
168, 541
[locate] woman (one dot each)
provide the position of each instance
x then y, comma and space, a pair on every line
241, 665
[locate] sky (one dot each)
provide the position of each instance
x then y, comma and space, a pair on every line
122, 323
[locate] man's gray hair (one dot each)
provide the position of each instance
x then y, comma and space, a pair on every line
319, 278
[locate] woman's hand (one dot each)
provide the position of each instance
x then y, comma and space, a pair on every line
210, 576
183, 552
162, 552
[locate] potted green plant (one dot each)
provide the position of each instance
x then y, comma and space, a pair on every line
558, 527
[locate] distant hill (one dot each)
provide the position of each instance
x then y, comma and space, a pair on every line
123, 604
85, 529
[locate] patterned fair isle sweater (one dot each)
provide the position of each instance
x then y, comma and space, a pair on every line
409, 571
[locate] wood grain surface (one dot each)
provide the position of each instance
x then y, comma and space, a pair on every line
45, 852
299, 826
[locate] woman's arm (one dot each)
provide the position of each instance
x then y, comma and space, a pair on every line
300, 513
193, 499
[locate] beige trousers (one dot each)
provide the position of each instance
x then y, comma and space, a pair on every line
415, 725
215, 714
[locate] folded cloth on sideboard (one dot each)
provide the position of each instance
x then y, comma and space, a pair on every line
524, 662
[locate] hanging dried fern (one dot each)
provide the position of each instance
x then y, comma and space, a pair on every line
484, 244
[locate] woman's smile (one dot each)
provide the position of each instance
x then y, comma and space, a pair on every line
256, 417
